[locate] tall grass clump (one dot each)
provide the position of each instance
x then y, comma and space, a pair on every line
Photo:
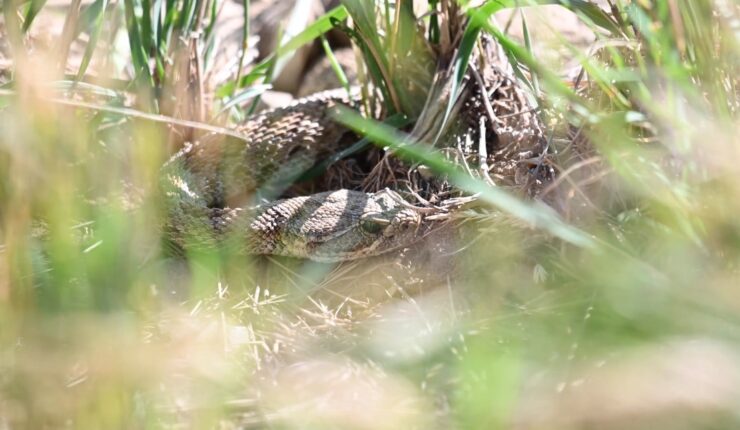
608, 300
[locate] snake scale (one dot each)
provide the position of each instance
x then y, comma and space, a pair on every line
210, 187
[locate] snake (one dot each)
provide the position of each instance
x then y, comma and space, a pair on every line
223, 192
210, 188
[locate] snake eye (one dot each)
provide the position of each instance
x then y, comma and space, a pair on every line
373, 225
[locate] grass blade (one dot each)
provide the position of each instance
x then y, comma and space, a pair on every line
97, 24
243, 96
534, 84
316, 29
138, 52
34, 8
245, 43
335, 66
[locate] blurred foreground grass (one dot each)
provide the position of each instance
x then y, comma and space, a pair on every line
503, 327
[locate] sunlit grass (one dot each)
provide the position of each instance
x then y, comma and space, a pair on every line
610, 303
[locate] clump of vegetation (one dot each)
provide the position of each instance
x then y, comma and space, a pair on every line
606, 300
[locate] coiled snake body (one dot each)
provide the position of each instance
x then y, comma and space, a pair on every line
209, 186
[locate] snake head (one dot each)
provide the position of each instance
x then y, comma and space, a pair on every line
338, 225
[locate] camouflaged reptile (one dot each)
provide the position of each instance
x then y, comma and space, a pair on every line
210, 185
213, 186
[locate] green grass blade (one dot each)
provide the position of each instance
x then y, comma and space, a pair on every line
316, 29
168, 25
156, 21
243, 96
99, 6
411, 63
319, 27
34, 8
186, 15
208, 33
434, 31
593, 12
245, 44
138, 52
147, 27
374, 51
480, 15
335, 66
296, 22
534, 84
